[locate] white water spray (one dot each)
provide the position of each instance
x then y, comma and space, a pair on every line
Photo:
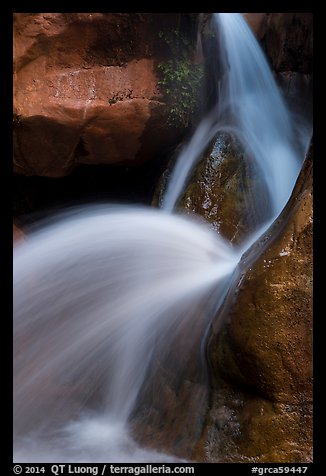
97, 293
94, 295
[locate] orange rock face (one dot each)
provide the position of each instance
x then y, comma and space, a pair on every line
85, 91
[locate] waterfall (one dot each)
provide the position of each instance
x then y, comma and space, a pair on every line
251, 100
100, 290
249, 105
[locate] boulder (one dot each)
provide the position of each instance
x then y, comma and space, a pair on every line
86, 89
224, 189
262, 357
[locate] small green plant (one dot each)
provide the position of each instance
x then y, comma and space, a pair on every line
180, 78
180, 81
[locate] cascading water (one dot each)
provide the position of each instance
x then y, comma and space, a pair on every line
98, 292
251, 107
250, 100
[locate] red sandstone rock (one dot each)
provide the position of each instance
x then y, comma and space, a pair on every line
85, 91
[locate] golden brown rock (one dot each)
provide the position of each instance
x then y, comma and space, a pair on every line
224, 189
262, 405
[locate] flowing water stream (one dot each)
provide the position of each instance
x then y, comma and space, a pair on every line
251, 107
100, 290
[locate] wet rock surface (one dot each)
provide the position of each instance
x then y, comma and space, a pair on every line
262, 358
224, 189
